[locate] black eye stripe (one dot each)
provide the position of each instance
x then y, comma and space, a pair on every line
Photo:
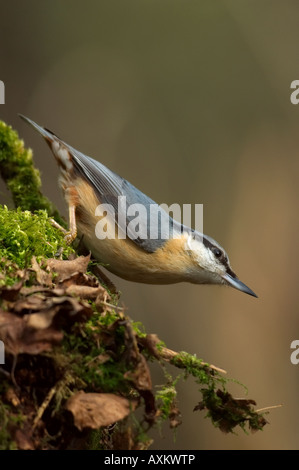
224, 260
218, 253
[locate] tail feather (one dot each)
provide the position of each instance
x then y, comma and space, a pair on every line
48, 135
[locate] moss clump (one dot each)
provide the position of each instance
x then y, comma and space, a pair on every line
167, 396
197, 368
96, 354
227, 412
22, 235
20, 175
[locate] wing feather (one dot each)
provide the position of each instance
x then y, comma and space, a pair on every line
109, 186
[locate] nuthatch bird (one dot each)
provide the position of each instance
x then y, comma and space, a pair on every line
183, 255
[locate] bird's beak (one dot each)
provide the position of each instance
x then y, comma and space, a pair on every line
237, 284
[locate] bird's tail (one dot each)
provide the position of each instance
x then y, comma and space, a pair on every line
48, 135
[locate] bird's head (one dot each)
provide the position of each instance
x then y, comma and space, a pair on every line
210, 263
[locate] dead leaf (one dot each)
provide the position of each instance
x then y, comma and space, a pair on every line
66, 268
58, 312
81, 279
34, 290
229, 412
30, 304
11, 293
20, 338
85, 292
43, 277
142, 381
95, 410
41, 311
174, 417
140, 375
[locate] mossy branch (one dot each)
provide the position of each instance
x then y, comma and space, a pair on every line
71, 351
21, 177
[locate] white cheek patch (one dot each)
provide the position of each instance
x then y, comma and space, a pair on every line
201, 254
62, 155
195, 246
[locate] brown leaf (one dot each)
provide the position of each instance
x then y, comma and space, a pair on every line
174, 417
34, 289
41, 311
229, 412
43, 277
11, 293
66, 268
85, 292
59, 311
33, 303
94, 410
140, 375
20, 338
80, 279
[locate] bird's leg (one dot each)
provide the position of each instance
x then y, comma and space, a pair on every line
58, 226
69, 235
72, 233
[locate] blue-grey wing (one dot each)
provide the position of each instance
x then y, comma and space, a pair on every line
148, 227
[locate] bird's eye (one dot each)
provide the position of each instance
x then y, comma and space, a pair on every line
217, 252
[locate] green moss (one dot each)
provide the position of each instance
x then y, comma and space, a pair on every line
20, 175
6, 442
198, 369
22, 235
139, 329
95, 439
160, 346
227, 412
96, 360
166, 396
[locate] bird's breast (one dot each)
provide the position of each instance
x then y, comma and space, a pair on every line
123, 257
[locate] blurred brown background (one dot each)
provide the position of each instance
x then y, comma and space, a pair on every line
190, 101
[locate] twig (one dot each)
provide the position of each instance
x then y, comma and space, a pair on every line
104, 279
114, 307
44, 405
13, 368
261, 410
4, 372
169, 355
153, 344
